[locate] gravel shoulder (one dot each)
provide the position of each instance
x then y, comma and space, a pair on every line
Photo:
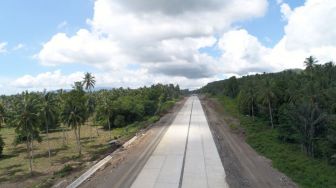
243, 165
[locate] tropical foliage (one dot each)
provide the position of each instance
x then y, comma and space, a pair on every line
299, 104
33, 113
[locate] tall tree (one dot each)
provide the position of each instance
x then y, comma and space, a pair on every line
310, 63
89, 81
27, 122
311, 122
74, 111
267, 95
2, 121
105, 109
48, 111
2, 114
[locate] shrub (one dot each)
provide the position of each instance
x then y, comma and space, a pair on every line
66, 170
2, 144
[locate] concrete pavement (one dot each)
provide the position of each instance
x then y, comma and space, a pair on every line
186, 156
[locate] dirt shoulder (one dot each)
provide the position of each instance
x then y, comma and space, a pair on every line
126, 164
244, 166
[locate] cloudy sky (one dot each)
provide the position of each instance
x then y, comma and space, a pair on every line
131, 43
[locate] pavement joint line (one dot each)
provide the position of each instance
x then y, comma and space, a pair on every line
186, 146
148, 152
205, 166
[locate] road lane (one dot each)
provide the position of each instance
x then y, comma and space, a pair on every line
163, 169
186, 156
203, 166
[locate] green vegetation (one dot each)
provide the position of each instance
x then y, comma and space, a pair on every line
288, 158
66, 170
289, 117
53, 131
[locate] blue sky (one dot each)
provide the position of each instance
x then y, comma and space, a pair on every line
32, 23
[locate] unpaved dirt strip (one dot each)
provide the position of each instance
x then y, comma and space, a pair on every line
244, 167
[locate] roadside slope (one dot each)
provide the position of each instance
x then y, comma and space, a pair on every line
244, 166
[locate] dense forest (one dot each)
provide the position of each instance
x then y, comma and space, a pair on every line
299, 104
33, 113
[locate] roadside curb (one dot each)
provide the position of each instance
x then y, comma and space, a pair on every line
99, 165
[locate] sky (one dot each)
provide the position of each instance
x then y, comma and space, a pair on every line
132, 43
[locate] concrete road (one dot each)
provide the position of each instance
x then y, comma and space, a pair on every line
186, 156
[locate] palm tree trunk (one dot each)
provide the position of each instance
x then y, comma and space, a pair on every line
32, 147
79, 141
270, 112
29, 155
252, 107
28, 150
90, 131
97, 130
109, 124
47, 131
78, 149
64, 138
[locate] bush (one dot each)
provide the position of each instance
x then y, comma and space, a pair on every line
119, 121
286, 157
2, 144
66, 170
154, 119
166, 106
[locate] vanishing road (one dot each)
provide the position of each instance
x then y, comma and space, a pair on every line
186, 155
178, 152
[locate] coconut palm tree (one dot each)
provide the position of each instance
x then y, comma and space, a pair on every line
74, 111
72, 117
48, 111
107, 111
248, 97
267, 95
26, 120
310, 63
89, 81
90, 106
2, 114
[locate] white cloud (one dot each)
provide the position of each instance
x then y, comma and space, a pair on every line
285, 10
242, 53
133, 79
163, 43
309, 32
279, 2
3, 47
47, 80
18, 46
311, 25
162, 37
62, 25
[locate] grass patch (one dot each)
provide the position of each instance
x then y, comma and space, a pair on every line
288, 158
14, 166
66, 170
153, 119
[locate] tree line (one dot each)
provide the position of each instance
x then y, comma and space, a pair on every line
299, 104
33, 113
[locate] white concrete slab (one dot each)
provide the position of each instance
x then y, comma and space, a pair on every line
202, 167
165, 164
